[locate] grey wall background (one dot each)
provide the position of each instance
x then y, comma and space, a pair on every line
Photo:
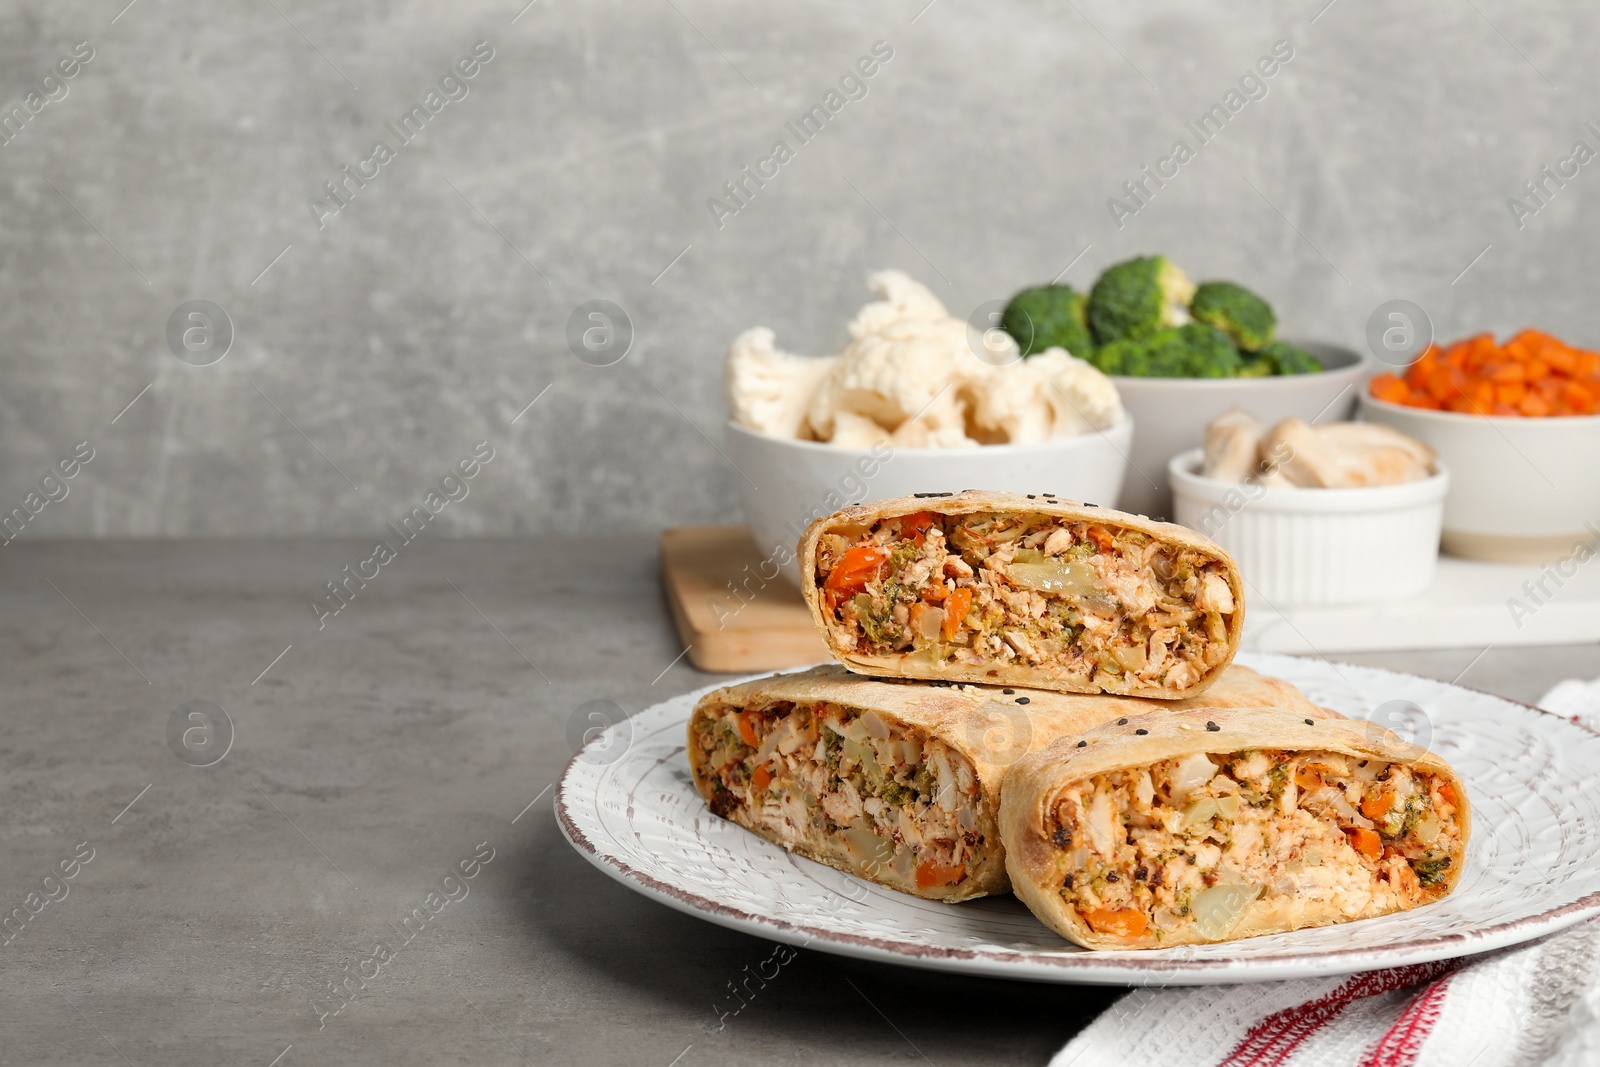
428, 313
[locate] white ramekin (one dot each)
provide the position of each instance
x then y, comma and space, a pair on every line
1315, 547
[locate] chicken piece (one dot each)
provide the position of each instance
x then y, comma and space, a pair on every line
1233, 442
768, 390
1302, 457
1343, 456
1380, 455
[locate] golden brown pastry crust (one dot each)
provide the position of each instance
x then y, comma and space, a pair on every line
984, 724
1038, 779
898, 665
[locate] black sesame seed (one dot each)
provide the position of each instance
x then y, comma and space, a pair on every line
1008, 692
1310, 723
1091, 505
1083, 744
1022, 700
1032, 496
1213, 727
1122, 722
1141, 731
925, 496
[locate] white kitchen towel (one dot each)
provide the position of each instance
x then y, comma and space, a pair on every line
1533, 1004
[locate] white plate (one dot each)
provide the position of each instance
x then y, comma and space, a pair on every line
626, 803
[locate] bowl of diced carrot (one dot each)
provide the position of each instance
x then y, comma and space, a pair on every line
1533, 375
1518, 424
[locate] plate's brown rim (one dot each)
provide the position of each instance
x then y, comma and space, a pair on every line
1085, 960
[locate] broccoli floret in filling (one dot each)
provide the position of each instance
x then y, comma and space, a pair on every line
895, 793
1432, 868
875, 623
903, 554
832, 748
1278, 777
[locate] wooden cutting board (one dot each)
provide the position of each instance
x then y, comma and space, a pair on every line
729, 616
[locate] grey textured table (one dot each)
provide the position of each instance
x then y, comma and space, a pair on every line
406, 736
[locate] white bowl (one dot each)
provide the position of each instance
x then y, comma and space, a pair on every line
784, 484
1526, 490
1172, 413
1314, 547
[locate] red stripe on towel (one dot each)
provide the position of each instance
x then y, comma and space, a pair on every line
1399, 1046
1274, 1039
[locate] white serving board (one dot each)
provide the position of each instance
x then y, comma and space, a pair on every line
1468, 605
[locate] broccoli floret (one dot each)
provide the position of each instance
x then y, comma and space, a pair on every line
1433, 868
1289, 359
1192, 351
1137, 298
1050, 316
1254, 366
1236, 311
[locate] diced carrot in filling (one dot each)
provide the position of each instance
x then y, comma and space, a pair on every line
746, 725
915, 527
854, 570
931, 873
1377, 805
1111, 608
958, 603
885, 800
1366, 842
1118, 922
1189, 845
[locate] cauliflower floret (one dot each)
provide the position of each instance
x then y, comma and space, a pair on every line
1091, 396
899, 297
907, 360
857, 431
942, 425
1049, 395
912, 377
768, 390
